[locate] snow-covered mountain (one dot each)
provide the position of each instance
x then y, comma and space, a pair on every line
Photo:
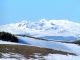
52, 29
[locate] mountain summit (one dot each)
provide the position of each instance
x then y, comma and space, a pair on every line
44, 27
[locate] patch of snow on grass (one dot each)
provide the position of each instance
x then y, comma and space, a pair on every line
7, 42
11, 59
12, 55
61, 57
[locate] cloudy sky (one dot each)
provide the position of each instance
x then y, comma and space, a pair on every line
12, 11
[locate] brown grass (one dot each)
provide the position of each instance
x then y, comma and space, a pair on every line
29, 51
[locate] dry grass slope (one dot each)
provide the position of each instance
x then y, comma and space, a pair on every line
28, 51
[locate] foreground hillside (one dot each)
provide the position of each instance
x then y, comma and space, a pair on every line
27, 52
14, 51
34, 49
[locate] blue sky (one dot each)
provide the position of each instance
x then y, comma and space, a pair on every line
12, 11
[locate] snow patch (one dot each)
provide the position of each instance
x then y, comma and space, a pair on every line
61, 57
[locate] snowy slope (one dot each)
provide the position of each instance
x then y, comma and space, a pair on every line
49, 57
44, 28
72, 48
50, 44
61, 57
5, 42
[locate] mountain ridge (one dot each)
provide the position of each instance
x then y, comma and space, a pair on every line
44, 27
